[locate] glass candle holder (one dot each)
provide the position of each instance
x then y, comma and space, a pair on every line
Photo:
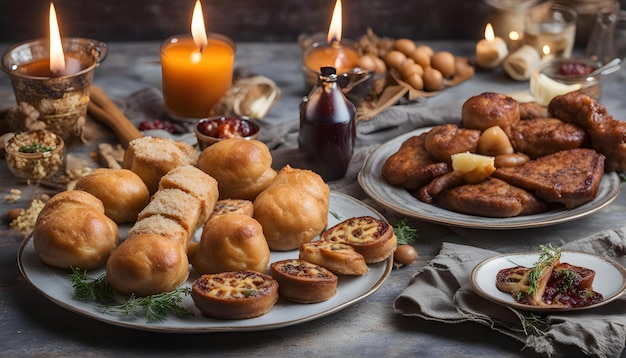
506, 17
195, 80
343, 56
552, 25
62, 99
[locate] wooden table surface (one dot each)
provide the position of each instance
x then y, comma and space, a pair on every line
32, 325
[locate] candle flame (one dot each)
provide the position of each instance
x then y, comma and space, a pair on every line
489, 35
514, 35
334, 30
198, 31
57, 59
546, 50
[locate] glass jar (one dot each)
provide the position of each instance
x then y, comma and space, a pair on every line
587, 11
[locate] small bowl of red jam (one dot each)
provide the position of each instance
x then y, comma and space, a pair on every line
575, 71
214, 129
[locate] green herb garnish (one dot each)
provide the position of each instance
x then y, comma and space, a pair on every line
547, 258
404, 233
156, 306
35, 148
532, 324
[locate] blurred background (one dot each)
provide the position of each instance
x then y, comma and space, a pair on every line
243, 20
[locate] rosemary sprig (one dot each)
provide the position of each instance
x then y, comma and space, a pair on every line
547, 258
156, 306
404, 233
532, 324
35, 148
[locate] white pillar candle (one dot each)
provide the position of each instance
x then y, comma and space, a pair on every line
491, 50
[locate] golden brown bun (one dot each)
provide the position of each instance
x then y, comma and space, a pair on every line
152, 157
307, 180
146, 265
234, 295
303, 282
242, 168
122, 192
290, 216
337, 257
160, 225
75, 236
72, 198
371, 237
231, 242
232, 206
175, 204
195, 182
490, 109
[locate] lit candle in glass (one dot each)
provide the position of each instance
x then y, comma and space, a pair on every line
57, 64
333, 53
491, 50
197, 70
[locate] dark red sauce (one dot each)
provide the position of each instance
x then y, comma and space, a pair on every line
227, 127
575, 69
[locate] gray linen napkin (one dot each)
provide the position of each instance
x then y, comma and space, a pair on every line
441, 291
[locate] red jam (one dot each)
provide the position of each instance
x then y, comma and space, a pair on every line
575, 69
227, 127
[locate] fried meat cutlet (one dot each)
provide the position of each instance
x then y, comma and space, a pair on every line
542, 136
444, 140
412, 167
490, 198
569, 177
529, 110
608, 135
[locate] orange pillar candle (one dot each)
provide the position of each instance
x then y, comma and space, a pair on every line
197, 71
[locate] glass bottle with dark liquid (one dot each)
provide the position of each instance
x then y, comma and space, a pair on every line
327, 128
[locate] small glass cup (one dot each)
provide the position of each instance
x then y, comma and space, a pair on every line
507, 16
34, 156
61, 101
552, 25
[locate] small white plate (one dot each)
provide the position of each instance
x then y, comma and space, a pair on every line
55, 284
610, 279
398, 199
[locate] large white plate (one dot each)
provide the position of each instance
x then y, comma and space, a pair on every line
55, 284
398, 199
610, 279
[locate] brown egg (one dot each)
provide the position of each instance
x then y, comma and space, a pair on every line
367, 62
394, 59
427, 49
415, 81
432, 79
409, 68
421, 57
444, 62
380, 65
406, 46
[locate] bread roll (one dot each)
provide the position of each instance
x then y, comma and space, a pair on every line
177, 205
74, 235
231, 242
72, 198
195, 182
160, 225
147, 264
307, 180
234, 295
290, 216
153, 157
122, 192
242, 168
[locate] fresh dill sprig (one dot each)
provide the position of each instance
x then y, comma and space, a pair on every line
404, 233
532, 324
156, 306
547, 258
334, 214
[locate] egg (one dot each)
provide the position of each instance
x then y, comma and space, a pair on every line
367, 62
426, 49
421, 57
432, 79
415, 81
380, 65
409, 68
406, 46
395, 59
444, 62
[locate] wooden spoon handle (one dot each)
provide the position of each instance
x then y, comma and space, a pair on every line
106, 112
